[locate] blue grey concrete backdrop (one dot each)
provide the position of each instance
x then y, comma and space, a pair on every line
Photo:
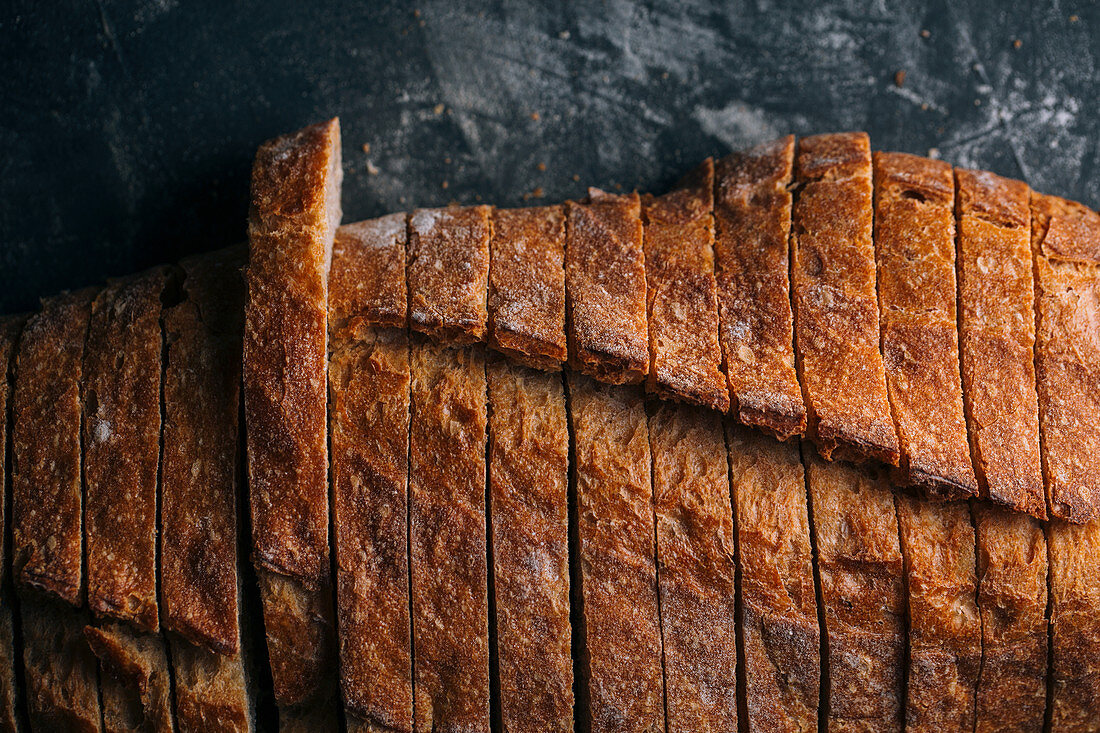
127, 128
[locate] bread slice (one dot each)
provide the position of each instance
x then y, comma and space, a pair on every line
945, 629
684, 353
915, 251
292, 222
529, 510
211, 691
605, 288
134, 681
997, 336
448, 272
863, 594
11, 718
781, 638
527, 285
1065, 244
46, 521
367, 279
619, 659
752, 222
835, 301
447, 538
695, 551
1012, 598
60, 670
1074, 553
11, 691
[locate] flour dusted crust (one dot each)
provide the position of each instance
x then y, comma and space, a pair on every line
528, 485
685, 356
1065, 244
1012, 597
448, 272
527, 285
752, 222
779, 610
47, 529
59, 667
367, 279
122, 423
1074, 552
862, 589
835, 301
915, 250
997, 335
210, 690
134, 681
945, 630
448, 537
605, 288
695, 548
620, 663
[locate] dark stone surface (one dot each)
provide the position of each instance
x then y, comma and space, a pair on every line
127, 128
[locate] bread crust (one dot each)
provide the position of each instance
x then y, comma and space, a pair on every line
528, 500
1064, 235
210, 690
448, 272
121, 389
945, 630
781, 635
134, 682
605, 288
835, 301
682, 301
915, 251
620, 658
752, 220
695, 549
859, 561
448, 538
47, 531
527, 286
367, 280
60, 670
997, 337
1012, 597
10, 717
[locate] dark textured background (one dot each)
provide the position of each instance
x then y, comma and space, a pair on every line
127, 128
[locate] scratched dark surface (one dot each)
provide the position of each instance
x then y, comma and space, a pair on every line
127, 128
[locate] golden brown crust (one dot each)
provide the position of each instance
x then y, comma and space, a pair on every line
997, 335
121, 393
1067, 353
752, 220
684, 353
448, 272
47, 531
448, 538
369, 414
527, 285
367, 280
779, 610
1075, 625
134, 681
60, 670
1012, 597
528, 486
695, 548
620, 658
945, 630
860, 564
605, 287
915, 250
292, 219
199, 468
835, 300
210, 690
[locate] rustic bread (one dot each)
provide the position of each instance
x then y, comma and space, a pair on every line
615, 590
60, 671
367, 278
527, 285
211, 691
835, 302
447, 538
448, 272
752, 222
915, 251
528, 506
134, 682
997, 336
682, 302
695, 554
605, 288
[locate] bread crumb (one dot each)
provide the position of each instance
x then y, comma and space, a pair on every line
416, 13
564, 35
899, 78
538, 193
366, 148
372, 169
1073, 19
618, 187
447, 161
1017, 43
438, 109
576, 177
541, 166
924, 106
926, 33
535, 116
445, 184
934, 153
977, 103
